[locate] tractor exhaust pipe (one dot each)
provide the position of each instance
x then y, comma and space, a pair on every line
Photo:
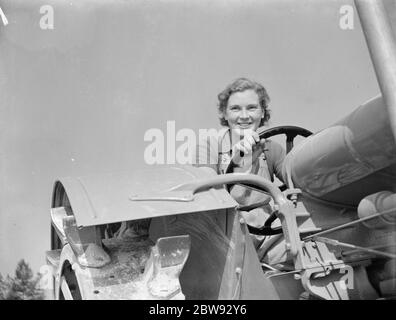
382, 47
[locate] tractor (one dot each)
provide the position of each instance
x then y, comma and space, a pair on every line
175, 232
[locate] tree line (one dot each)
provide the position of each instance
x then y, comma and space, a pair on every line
23, 286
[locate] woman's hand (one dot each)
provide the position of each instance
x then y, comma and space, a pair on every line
244, 154
246, 151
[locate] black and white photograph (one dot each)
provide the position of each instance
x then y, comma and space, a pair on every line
226, 150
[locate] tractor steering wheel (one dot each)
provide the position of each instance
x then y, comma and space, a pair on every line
291, 132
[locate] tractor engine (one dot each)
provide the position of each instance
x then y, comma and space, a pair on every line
343, 182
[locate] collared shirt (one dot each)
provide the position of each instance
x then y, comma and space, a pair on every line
216, 152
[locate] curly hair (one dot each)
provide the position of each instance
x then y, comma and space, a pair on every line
239, 85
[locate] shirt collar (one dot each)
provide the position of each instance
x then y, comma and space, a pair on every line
225, 140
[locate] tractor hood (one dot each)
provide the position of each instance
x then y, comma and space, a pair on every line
145, 193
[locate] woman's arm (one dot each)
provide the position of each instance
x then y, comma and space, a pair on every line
275, 157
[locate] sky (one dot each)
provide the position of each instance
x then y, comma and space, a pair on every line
77, 99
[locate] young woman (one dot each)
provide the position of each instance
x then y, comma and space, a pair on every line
243, 107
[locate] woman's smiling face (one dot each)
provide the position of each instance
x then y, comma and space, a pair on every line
243, 110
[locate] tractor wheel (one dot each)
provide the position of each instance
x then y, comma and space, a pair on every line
68, 286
